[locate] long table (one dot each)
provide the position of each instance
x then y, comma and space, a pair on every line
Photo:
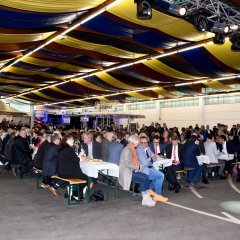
93, 168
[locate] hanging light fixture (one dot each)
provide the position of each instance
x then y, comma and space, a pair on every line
144, 10
177, 10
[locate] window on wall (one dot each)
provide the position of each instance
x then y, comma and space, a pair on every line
237, 99
141, 106
225, 99
119, 108
180, 103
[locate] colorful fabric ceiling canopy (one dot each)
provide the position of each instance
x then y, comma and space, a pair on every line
110, 56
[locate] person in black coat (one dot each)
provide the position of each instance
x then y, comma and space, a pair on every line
174, 151
22, 153
69, 162
38, 158
50, 163
5, 140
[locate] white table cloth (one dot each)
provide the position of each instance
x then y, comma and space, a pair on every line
226, 157
203, 159
162, 162
91, 169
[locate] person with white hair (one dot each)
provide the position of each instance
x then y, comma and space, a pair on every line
129, 170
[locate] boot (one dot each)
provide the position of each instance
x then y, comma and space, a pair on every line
147, 200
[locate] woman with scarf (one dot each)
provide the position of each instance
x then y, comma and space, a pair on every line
129, 171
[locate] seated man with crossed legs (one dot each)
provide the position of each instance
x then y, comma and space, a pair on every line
146, 158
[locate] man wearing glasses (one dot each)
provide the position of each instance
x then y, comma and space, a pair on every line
146, 157
155, 145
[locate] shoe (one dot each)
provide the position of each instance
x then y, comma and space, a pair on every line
75, 198
46, 186
160, 198
152, 193
205, 181
55, 191
147, 200
177, 189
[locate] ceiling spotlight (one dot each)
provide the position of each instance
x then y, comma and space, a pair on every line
235, 40
177, 10
144, 10
219, 38
200, 22
234, 27
220, 28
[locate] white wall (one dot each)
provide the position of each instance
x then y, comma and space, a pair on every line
228, 114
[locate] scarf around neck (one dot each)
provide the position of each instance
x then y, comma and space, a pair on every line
134, 153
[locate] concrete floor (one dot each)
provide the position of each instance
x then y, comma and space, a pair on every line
27, 213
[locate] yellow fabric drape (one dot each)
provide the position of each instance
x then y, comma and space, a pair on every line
60, 6
101, 48
30, 84
217, 85
224, 53
103, 99
64, 92
87, 84
113, 81
20, 38
161, 91
42, 95
158, 66
60, 65
139, 95
30, 72
170, 25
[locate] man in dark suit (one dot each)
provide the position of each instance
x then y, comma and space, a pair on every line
174, 151
155, 145
225, 147
191, 151
234, 131
92, 148
49, 165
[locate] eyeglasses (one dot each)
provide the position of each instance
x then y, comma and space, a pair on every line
155, 142
143, 142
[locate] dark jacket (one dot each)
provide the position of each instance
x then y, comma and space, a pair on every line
21, 153
50, 160
4, 143
38, 158
151, 145
8, 149
96, 149
169, 152
191, 151
114, 151
68, 164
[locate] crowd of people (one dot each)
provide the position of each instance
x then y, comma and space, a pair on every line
57, 151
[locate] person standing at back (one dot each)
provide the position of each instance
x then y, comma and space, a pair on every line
50, 163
